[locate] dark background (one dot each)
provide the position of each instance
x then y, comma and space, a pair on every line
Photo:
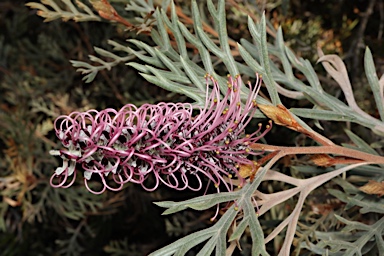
38, 83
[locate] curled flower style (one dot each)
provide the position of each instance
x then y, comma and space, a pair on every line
166, 143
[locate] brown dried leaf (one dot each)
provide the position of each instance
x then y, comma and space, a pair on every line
11, 202
246, 170
278, 114
104, 8
249, 170
322, 160
373, 188
106, 11
326, 160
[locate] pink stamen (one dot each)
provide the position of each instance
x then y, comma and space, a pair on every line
164, 141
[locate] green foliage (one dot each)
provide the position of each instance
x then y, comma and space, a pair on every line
120, 248
68, 11
356, 238
39, 84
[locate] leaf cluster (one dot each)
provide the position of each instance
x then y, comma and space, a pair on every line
38, 84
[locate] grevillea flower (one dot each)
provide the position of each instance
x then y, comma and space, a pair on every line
166, 143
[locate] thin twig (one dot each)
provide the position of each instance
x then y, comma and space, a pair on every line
358, 43
334, 149
381, 26
304, 186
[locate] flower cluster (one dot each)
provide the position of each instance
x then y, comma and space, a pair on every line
166, 143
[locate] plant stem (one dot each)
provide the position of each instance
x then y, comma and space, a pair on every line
333, 149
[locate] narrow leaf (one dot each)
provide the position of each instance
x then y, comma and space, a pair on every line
267, 76
320, 114
361, 144
239, 229
373, 81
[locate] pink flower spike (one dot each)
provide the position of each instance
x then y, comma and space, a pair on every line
162, 144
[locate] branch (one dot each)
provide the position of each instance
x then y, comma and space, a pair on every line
333, 149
